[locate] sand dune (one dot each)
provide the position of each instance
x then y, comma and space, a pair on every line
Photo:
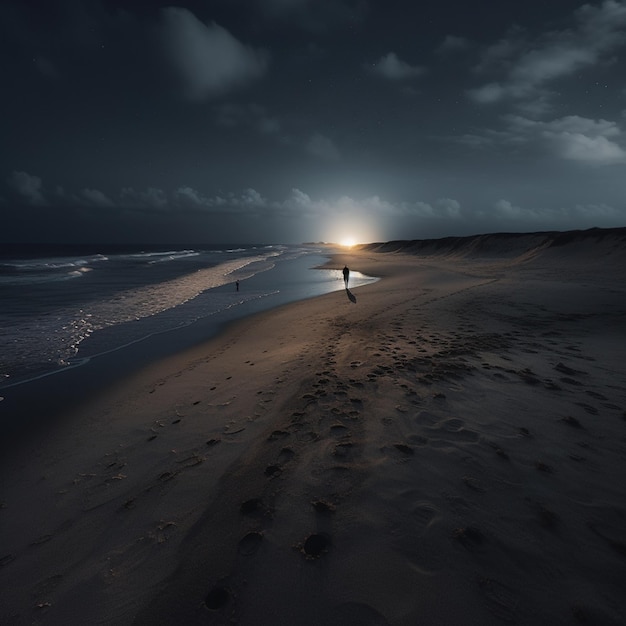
445, 446
597, 243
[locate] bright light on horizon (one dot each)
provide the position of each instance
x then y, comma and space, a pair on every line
350, 230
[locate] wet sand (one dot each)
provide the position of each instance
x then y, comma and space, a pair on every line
445, 446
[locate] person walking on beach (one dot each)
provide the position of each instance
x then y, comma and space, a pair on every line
237, 285
346, 275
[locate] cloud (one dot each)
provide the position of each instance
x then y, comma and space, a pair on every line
583, 215
529, 66
323, 147
572, 138
452, 44
152, 198
391, 67
580, 147
28, 187
299, 204
96, 198
249, 202
190, 198
506, 209
487, 94
536, 67
252, 198
366, 218
370, 206
449, 207
207, 59
596, 212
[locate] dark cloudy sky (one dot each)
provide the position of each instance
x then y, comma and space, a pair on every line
306, 120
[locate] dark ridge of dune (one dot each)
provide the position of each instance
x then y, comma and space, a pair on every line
522, 246
597, 234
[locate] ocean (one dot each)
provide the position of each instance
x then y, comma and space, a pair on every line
62, 306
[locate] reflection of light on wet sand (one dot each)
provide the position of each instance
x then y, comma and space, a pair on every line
356, 278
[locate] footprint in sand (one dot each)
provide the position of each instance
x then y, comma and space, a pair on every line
571, 381
590, 409
469, 536
315, 545
278, 434
250, 543
571, 421
543, 467
595, 394
344, 450
323, 507
272, 471
254, 507
474, 484
339, 430
285, 455
453, 430
404, 448
568, 371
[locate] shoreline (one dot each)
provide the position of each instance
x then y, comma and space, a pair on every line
92, 374
443, 446
86, 353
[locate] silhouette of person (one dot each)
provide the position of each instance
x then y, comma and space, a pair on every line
346, 275
237, 285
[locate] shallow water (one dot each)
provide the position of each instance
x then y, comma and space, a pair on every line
59, 310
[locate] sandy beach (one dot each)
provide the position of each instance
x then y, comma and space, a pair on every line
444, 446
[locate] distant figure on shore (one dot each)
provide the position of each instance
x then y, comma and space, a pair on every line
237, 285
346, 275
